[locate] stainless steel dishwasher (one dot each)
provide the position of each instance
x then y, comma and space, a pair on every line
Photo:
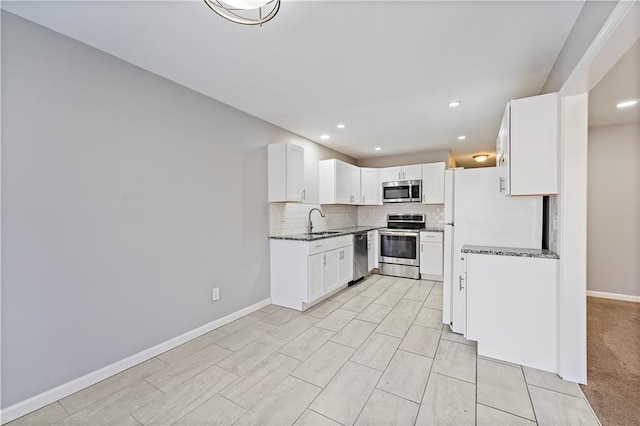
360, 256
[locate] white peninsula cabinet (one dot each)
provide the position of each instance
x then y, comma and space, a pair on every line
431, 255
527, 146
285, 172
305, 272
512, 305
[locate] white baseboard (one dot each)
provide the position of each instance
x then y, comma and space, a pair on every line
615, 296
52, 395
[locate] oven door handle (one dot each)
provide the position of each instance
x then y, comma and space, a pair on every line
399, 233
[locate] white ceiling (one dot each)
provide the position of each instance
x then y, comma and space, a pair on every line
387, 69
621, 83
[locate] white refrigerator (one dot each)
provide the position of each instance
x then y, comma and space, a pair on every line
476, 212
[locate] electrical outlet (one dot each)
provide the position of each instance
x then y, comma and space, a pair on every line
216, 294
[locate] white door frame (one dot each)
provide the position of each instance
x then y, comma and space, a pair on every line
618, 34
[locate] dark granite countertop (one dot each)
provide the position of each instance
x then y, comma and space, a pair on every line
510, 251
336, 233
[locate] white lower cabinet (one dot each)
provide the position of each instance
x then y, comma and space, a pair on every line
512, 305
315, 277
304, 272
431, 255
331, 270
372, 249
345, 266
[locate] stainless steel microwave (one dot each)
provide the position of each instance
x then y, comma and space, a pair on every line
403, 191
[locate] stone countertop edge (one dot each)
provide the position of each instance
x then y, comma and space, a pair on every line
510, 251
340, 233
432, 229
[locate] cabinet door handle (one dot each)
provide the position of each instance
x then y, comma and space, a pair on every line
421, 247
303, 194
501, 184
324, 260
460, 286
363, 198
318, 246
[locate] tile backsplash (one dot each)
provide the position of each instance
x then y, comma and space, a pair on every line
377, 215
291, 218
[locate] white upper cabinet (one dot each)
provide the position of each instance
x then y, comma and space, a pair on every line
285, 172
390, 174
412, 172
527, 146
370, 186
433, 183
356, 185
339, 182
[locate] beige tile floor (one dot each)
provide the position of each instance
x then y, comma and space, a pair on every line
374, 354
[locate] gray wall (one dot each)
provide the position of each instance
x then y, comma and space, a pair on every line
125, 199
613, 217
407, 159
589, 23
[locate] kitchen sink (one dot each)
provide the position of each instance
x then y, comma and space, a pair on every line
325, 233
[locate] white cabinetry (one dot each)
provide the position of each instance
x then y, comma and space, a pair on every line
433, 183
370, 186
345, 266
285, 172
305, 272
339, 182
372, 249
316, 265
431, 255
512, 308
527, 146
390, 174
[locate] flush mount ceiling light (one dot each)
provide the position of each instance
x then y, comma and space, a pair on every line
454, 104
245, 12
480, 158
325, 137
377, 148
340, 126
461, 138
627, 104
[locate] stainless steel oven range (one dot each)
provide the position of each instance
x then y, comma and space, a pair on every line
399, 245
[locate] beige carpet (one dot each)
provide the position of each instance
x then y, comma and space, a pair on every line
613, 360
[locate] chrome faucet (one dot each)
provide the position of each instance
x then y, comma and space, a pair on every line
310, 223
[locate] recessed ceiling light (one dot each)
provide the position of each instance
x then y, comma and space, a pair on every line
480, 158
627, 104
340, 126
454, 104
325, 137
377, 148
461, 138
